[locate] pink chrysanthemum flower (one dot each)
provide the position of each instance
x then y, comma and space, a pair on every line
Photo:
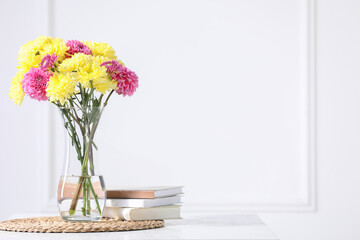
35, 82
127, 80
48, 61
76, 46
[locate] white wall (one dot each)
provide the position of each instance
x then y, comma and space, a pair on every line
22, 143
224, 97
338, 130
226, 107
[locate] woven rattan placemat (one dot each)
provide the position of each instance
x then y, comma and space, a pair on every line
57, 225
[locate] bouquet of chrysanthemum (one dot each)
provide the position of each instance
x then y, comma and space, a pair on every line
79, 78
54, 70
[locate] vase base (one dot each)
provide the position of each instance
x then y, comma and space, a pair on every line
78, 217
76, 199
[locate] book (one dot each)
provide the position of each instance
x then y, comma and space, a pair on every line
143, 203
155, 213
144, 192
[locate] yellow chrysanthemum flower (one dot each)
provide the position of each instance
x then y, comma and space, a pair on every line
101, 49
56, 46
29, 54
97, 75
34, 51
88, 68
78, 60
16, 92
61, 87
101, 59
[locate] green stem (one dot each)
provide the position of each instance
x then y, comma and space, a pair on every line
75, 198
78, 100
95, 197
90, 151
88, 209
75, 119
108, 97
83, 209
72, 132
100, 99
77, 105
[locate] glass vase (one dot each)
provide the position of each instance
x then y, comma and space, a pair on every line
81, 190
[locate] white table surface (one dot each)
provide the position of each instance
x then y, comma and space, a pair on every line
192, 226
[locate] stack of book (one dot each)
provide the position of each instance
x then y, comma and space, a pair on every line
143, 203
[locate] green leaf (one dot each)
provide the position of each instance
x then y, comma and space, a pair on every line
96, 103
95, 110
